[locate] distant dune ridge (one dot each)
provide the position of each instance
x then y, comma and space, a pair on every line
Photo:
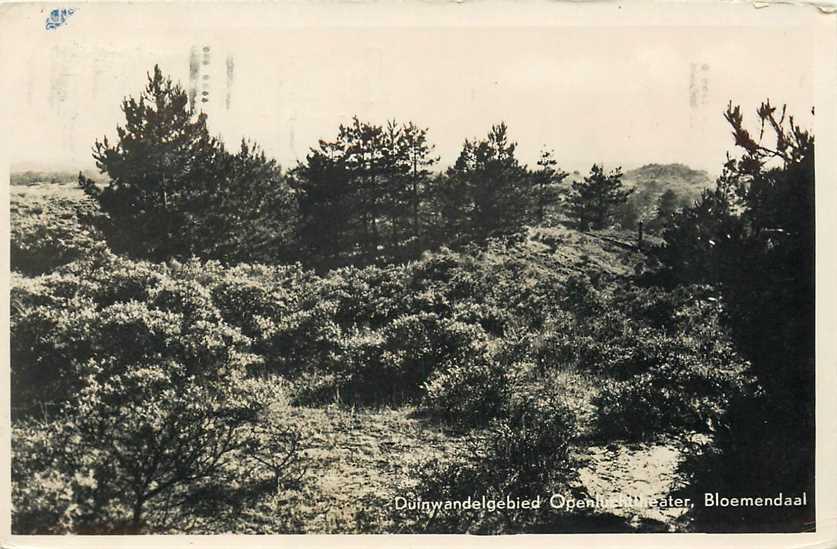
678, 177
651, 181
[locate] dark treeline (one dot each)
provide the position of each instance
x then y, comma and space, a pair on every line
373, 194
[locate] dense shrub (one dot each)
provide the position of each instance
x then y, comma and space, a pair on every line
305, 341
363, 335
468, 394
247, 294
752, 237
43, 496
50, 231
369, 297
492, 342
726, 463
665, 359
523, 454
415, 357
147, 399
467, 387
416, 346
680, 378
528, 449
354, 372
107, 309
208, 460
498, 285
130, 447
635, 408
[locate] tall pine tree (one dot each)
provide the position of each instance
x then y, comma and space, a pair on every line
491, 186
174, 191
163, 160
593, 201
362, 195
752, 238
545, 186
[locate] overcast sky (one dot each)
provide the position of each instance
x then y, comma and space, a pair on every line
622, 95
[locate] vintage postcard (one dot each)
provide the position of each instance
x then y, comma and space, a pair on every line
466, 268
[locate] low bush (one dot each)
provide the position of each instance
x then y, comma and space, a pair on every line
687, 391
524, 454
467, 394
249, 295
416, 346
125, 456
70, 319
194, 464
665, 361
634, 408
469, 387
118, 362
414, 358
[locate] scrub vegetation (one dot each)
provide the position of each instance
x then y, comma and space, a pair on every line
205, 342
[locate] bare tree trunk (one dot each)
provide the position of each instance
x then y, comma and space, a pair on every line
136, 518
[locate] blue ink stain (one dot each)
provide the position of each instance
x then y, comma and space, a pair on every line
58, 17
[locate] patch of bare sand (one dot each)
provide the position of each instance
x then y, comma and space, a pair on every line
635, 474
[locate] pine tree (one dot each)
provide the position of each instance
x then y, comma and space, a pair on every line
362, 195
752, 238
163, 159
545, 182
593, 201
326, 231
492, 186
251, 216
666, 204
419, 158
174, 191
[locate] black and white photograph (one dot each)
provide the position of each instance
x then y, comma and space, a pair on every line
484, 268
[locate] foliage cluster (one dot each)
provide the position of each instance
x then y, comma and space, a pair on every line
175, 191
594, 200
